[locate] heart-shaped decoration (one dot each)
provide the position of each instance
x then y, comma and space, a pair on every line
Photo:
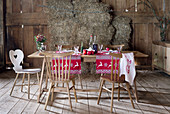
16, 58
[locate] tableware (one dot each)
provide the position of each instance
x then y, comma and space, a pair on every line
76, 49
84, 52
59, 48
92, 52
67, 50
100, 47
89, 53
107, 49
119, 49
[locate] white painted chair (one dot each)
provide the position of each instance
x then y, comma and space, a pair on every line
16, 58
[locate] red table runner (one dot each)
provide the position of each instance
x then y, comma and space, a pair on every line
75, 64
103, 64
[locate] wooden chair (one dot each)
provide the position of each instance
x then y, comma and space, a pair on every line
115, 46
59, 73
16, 58
114, 78
71, 47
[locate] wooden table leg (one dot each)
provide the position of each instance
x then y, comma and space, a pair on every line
136, 95
80, 81
41, 80
46, 81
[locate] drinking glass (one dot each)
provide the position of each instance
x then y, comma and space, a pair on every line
100, 47
119, 48
76, 49
59, 48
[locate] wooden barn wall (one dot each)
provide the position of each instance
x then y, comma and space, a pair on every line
25, 19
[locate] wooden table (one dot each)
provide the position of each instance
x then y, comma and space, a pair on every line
85, 58
92, 58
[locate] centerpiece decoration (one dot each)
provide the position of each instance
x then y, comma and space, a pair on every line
39, 39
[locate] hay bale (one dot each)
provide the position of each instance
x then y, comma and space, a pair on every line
123, 31
74, 22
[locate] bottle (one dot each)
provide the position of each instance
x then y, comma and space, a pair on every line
95, 46
81, 47
94, 40
90, 42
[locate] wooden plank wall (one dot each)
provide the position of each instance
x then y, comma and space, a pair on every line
27, 13
25, 20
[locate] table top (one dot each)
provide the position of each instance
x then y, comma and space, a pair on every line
136, 54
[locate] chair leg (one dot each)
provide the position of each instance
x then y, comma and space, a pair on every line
14, 83
100, 80
48, 96
73, 82
22, 82
57, 85
111, 108
127, 85
28, 86
52, 95
118, 92
100, 90
80, 81
69, 96
38, 78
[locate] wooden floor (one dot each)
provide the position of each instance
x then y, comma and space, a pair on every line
153, 91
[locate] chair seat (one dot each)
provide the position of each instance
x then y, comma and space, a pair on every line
108, 78
60, 80
31, 71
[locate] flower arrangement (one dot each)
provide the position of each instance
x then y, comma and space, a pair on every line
39, 39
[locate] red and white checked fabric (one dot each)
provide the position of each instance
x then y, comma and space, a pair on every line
75, 64
103, 64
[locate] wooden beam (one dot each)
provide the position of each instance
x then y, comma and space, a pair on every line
26, 19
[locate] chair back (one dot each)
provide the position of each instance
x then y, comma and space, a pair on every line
115, 65
65, 46
58, 65
115, 46
16, 58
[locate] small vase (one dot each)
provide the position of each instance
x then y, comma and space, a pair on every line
43, 47
38, 45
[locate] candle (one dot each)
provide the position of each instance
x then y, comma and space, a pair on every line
136, 5
164, 12
163, 5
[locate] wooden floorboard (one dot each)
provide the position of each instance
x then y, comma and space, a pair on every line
153, 92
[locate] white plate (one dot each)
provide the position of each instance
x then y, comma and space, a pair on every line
107, 51
77, 52
67, 50
104, 51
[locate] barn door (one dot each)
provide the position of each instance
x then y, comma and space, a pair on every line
2, 63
